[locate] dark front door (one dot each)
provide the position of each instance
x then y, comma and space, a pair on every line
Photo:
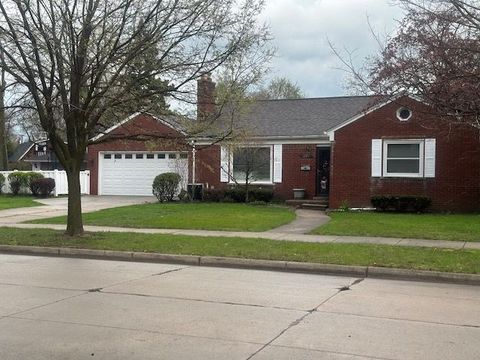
323, 171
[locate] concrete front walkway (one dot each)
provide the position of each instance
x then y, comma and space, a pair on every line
306, 221
64, 308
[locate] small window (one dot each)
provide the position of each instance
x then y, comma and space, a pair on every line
107, 156
150, 156
128, 156
403, 158
172, 156
138, 156
183, 156
403, 114
118, 156
161, 156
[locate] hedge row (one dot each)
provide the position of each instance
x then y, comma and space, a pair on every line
21, 180
401, 203
38, 185
238, 194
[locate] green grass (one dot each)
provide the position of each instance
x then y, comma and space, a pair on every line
464, 261
203, 216
464, 227
19, 201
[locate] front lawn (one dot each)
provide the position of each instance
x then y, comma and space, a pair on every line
19, 201
464, 227
464, 261
202, 216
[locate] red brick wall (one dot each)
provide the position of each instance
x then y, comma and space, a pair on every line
294, 157
163, 138
208, 166
456, 186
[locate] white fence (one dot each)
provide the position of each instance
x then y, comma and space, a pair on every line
60, 177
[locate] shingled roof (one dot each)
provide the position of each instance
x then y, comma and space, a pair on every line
302, 117
20, 151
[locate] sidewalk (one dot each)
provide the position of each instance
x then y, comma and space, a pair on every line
271, 235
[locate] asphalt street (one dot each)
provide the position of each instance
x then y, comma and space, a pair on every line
65, 308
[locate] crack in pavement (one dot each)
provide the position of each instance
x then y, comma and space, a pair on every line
131, 329
399, 319
41, 287
140, 278
301, 318
43, 305
202, 300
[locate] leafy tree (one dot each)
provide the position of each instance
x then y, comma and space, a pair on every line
279, 88
435, 55
71, 60
141, 78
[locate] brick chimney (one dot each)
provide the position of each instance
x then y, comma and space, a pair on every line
205, 97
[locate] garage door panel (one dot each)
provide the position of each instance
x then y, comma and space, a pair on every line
132, 176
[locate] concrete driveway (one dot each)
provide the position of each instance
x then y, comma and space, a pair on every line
61, 308
58, 206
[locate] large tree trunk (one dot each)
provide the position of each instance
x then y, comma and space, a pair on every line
3, 134
74, 218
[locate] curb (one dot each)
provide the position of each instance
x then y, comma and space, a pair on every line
274, 265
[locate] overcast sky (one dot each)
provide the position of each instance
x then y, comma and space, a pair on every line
301, 29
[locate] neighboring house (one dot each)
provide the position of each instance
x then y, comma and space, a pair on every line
345, 148
38, 154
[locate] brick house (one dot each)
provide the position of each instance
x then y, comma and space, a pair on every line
38, 155
346, 149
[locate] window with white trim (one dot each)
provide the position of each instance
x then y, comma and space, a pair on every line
254, 163
403, 158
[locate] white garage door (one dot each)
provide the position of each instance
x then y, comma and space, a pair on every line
133, 173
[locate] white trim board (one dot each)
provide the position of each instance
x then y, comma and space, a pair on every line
331, 132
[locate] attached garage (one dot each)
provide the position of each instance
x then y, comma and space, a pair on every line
132, 173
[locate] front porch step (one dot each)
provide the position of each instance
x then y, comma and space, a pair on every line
321, 198
321, 207
309, 204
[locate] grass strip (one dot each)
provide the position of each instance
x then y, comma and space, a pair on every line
199, 216
19, 201
447, 260
455, 227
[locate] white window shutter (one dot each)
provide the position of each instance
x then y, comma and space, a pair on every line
277, 163
376, 157
430, 150
224, 164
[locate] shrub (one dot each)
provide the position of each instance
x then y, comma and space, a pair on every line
30, 176
42, 187
344, 206
17, 180
401, 203
258, 203
165, 186
238, 194
2, 182
381, 202
184, 196
261, 194
213, 195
